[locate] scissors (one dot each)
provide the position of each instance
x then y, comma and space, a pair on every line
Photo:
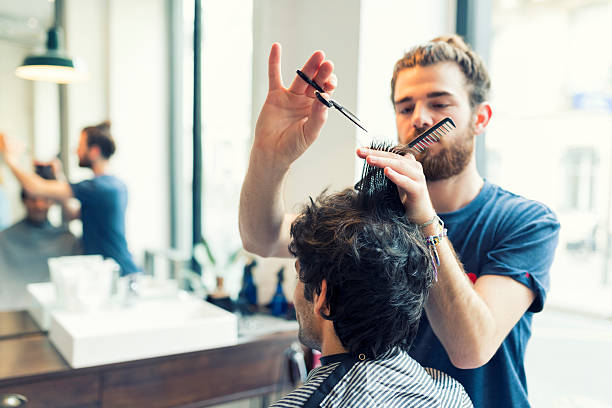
330, 103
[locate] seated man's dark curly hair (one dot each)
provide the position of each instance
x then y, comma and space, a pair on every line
377, 268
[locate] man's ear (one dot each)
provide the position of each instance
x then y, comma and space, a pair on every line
94, 152
319, 305
482, 116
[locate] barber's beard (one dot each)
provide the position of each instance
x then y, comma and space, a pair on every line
451, 160
85, 162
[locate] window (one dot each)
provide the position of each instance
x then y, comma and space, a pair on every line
581, 168
227, 42
551, 129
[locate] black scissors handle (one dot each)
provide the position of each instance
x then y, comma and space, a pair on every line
324, 101
309, 81
330, 103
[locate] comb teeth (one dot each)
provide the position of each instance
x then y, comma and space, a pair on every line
374, 189
432, 135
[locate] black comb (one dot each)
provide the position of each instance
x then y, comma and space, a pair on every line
432, 135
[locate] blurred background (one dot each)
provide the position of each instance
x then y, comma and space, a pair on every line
550, 138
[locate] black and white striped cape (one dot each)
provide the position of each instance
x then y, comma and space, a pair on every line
394, 380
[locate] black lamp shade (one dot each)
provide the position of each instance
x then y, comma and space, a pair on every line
52, 66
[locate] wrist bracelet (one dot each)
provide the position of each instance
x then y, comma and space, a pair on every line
432, 242
429, 222
437, 221
434, 219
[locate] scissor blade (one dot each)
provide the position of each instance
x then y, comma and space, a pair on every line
348, 114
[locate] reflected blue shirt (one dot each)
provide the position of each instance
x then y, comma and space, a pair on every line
5, 210
498, 233
103, 203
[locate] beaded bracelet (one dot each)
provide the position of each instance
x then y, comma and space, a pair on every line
431, 243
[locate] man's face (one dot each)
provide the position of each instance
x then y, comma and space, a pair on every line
37, 208
83, 151
424, 96
308, 333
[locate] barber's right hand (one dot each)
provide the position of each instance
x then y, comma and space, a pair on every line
11, 150
291, 118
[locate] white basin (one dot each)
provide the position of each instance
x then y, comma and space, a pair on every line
148, 328
42, 302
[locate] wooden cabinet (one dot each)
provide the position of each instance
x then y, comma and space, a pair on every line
29, 365
81, 391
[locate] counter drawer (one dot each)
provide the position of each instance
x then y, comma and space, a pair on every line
68, 392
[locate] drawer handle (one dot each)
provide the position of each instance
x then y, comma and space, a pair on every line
12, 400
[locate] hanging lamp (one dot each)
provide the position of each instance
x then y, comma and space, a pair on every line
54, 65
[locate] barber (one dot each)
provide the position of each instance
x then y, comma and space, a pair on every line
493, 269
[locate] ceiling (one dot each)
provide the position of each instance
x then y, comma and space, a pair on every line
25, 22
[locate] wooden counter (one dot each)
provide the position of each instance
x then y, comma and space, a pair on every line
30, 365
17, 324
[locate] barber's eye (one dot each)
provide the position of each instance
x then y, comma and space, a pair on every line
407, 109
441, 105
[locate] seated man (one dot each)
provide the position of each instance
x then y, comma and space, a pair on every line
364, 275
25, 248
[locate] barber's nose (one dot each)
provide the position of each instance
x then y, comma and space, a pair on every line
421, 117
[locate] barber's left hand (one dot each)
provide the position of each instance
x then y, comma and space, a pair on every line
407, 174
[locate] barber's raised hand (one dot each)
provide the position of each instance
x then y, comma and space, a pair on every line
3, 146
10, 149
407, 174
291, 118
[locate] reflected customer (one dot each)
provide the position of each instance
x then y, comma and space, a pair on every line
103, 198
25, 248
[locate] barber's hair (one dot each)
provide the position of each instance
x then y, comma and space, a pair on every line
450, 48
100, 135
377, 269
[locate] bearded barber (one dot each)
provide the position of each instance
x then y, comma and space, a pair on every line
103, 198
494, 260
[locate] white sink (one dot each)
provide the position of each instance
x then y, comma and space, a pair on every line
42, 303
148, 328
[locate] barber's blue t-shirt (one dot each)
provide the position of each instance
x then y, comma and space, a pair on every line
103, 203
498, 233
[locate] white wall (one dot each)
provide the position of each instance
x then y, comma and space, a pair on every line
124, 44
138, 100
46, 121
226, 123
301, 28
364, 39
16, 111
388, 29
86, 29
